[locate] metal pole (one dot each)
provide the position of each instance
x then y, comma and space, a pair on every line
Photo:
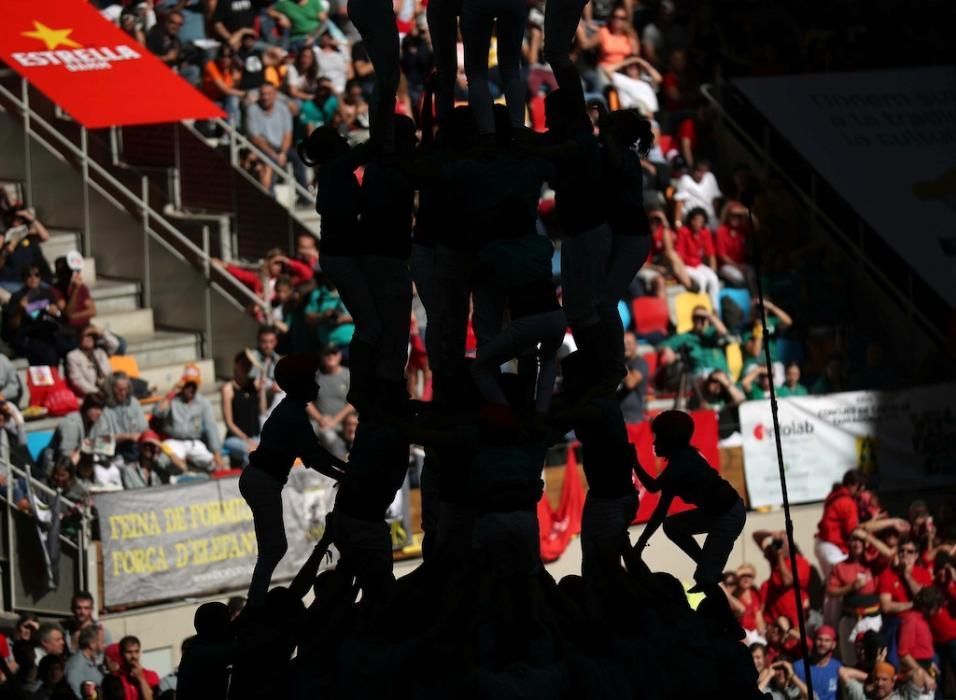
27, 160
85, 164
147, 285
208, 290
788, 522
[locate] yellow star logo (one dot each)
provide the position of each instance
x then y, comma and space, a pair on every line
53, 38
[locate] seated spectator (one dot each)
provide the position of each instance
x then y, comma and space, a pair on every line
662, 259
679, 87
89, 422
334, 63
137, 681
699, 189
636, 82
327, 318
616, 41
778, 322
915, 647
717, 392
220, 83
10, 387
144, 472
824, 669
330, 408
264, 358
632, 392
275, 264
268, 125
242, 404
731, 242
88, 368
77, 303
321, 109
834, 377
84, 665
881, 684
83, 608
283, 309
780, 682
778, 591
32, 323
898, 586
304, 19
52, 679
745, 601
188, 421
301, 80
755, 383
695, 247
791, 384
23, 234
307, 250
349, 427
52, 641
700, 351
232, 21
877, 373
163, 40
126, 416
353, 111
942, 618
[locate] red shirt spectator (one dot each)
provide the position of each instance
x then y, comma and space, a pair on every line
780, 600
943, 622
694, 248
732, 243
840, 517
915, 638
754, 604
890, 583
276, 264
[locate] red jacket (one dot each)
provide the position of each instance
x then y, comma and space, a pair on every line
840, 517
300, 273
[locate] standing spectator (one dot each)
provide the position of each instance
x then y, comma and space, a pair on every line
52, 641
219, 83
141, 681
778, 593
942, 618
695, 246
82, 605
852, 583
232, 20
88, 368
126, 417
50, 674
242, 404
269, 126
824, 669
163, 40
731, 243
23, 234
841, 516
745, 601
331, 407
73, 429
697, 189
632, 392
791, 385
264, 359
898, 587
84, 665
32, 324
915, 647
190, 425
143, 472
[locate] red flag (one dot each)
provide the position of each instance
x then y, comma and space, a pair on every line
558, 526
89, 67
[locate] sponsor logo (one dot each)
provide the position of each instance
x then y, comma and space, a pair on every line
62, 50
787, 430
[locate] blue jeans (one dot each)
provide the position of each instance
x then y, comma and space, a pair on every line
238, 450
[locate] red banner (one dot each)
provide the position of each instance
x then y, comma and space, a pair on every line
558, 526
705, 440
94, 71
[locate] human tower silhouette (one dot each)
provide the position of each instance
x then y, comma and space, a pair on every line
480, 615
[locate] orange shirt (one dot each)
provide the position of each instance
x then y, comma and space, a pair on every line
614, 47
210, 75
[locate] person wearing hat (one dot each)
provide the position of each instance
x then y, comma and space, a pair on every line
190, 424
142, 473
745, 600
88, 367
286, 436
824, 669
719, 512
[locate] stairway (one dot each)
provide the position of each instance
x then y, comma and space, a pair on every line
160, 353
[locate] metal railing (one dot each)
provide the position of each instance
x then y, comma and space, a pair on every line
763, 151
140, 203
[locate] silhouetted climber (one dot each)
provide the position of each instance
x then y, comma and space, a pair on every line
719, 513
442, 18
375, 20
508, 19
204, 669
627, 137
561, 20
585, 234
286, 435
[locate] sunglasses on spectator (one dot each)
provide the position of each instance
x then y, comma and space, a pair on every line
908, 550
699, 318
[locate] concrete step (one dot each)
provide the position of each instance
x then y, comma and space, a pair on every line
163, 348
61, 242
138, 322
112, 296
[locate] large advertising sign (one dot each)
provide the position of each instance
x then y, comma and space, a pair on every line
904, 440
93, 70
194, 539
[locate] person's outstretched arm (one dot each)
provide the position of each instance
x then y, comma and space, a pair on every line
649, 482
655, 522
303, 580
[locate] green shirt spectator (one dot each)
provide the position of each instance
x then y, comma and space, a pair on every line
305, 16
704, 343
319, 111
335, 325
778, 321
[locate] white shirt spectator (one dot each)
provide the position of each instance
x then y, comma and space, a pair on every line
699, 194
333, 65
635, 94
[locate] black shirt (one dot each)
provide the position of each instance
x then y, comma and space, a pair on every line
689, 476
286, 435
578, 187
235, 15
624, 195
388, 201
161, 42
